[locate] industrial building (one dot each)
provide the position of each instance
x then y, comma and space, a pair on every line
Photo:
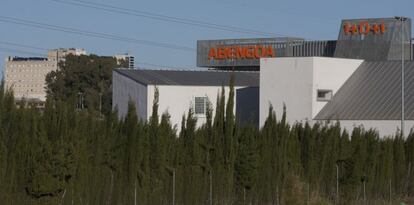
352, 92
181, 90
361, 85
355, 79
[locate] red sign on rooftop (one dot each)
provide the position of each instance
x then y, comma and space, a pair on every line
363, 28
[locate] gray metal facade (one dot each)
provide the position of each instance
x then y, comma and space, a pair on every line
125, 90
373, 92
412, 50
283, 47
313, 48
380, 46
196, 78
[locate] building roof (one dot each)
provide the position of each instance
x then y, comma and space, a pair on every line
373, 92
196, 78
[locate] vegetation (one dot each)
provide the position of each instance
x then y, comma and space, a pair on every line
69, 156
86, 77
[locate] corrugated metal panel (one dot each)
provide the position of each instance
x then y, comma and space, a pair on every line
197, 78
373, 92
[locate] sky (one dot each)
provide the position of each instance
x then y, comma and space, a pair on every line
172, 45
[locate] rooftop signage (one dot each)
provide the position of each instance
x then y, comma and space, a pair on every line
240, 52
244, 54
363, 28
373, 39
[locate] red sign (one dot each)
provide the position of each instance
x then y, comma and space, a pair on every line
363, 28
241, 52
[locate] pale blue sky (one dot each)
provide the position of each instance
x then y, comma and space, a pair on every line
310, 19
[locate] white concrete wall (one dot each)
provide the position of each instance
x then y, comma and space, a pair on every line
330, 74
176, 100
294, 81
286, 81
385, 128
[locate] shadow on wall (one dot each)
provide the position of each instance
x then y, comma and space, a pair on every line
247, 105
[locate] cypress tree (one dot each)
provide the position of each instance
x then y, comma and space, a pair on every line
400, 166
246, 163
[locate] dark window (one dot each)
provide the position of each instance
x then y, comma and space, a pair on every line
324, 95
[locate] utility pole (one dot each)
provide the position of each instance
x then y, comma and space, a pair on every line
79, 100
337, 183
390, 193
402, 20
337, 179
173, 194
244, 195
100, 104
135, 193
307, 202
210, 176
211, 187
172, 172
210, 172
365, 199
364, 180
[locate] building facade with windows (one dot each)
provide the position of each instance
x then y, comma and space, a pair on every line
129, 59
26, 76
180, 91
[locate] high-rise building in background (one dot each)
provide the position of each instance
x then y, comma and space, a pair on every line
126, 57
26, 76
60, 53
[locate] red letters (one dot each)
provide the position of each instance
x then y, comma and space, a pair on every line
363, 28
212, 54
241, 52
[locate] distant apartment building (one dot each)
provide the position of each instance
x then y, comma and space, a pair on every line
60, 53
26, 76
129, 59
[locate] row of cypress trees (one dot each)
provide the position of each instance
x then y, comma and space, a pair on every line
66, 156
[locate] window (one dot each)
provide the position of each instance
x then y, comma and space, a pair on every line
200, 105
324, 95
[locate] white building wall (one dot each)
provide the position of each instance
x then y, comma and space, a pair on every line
286, 81
176, 100
383, 127
294, 81
330, 74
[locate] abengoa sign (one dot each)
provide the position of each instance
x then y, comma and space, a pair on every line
241, 52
